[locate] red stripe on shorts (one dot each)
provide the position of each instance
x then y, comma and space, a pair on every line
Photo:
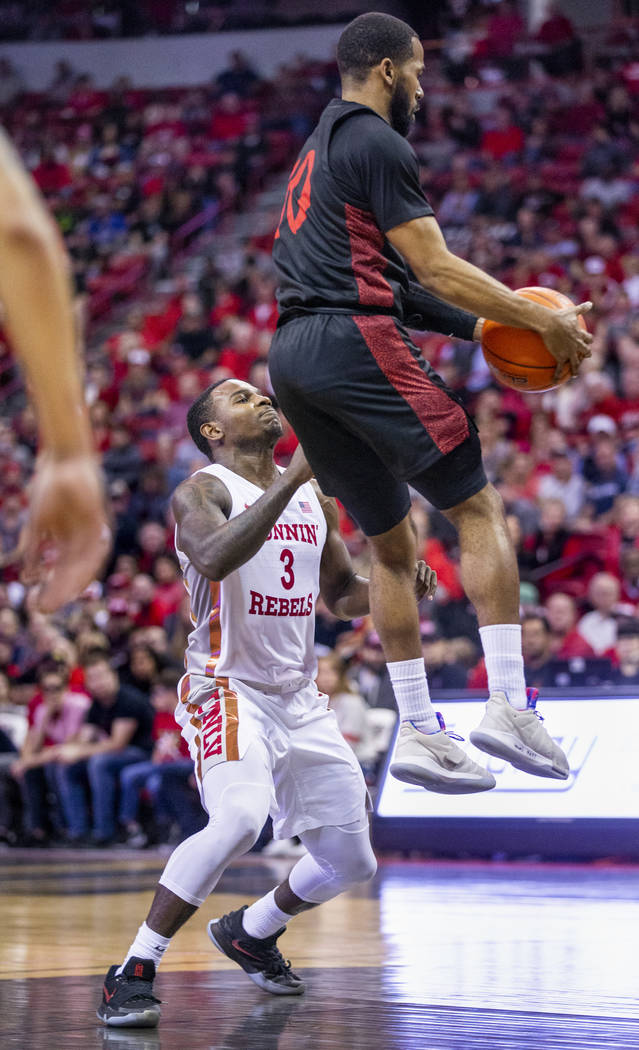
443, 419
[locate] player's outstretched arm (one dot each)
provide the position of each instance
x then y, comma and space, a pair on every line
344, 592
216, 546
66, 538
422, 244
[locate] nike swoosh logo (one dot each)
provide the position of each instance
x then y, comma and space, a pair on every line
238, 947
106, 994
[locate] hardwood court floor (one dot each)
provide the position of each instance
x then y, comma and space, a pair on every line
429, 955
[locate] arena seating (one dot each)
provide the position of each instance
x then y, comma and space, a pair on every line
168, 201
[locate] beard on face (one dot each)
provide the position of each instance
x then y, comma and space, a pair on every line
401, 110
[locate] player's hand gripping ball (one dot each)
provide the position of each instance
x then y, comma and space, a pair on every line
518, 357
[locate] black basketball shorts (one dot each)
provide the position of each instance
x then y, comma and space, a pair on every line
373, 417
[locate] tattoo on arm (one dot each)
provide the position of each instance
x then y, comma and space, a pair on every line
216, 545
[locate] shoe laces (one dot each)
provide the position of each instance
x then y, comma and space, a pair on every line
533, 696
139, 988
449, 733
275, 963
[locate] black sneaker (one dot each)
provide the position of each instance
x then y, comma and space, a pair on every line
260, 958
127, 999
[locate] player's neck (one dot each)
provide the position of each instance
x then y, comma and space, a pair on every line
378, 101
255, 465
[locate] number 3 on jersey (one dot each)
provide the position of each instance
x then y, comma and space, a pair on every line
288, 579
302, 170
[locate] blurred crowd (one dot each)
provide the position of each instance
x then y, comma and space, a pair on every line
168, 202
111, 19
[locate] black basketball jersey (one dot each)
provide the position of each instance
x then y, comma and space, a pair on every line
355, 178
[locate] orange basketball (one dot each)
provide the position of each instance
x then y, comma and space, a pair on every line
518, 357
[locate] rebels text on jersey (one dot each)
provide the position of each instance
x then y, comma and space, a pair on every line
256, 624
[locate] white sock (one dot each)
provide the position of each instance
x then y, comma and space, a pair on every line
410, 686
263, 918
147, 945
504, 662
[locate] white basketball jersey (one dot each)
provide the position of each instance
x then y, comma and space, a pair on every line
257, 624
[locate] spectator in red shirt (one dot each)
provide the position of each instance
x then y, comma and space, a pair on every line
84, 100
227, 303
563, 47
562, 615
229, 120
504, 140
169, 588
556, 28
240, 352
53, 720
51, 175
505, 28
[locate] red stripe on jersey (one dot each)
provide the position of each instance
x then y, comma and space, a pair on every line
445, 420
366, 241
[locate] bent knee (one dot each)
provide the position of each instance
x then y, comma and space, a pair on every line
241, 826
361, 868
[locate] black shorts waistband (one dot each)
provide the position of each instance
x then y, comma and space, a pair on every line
294, 312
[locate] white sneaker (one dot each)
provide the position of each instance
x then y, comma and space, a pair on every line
520, 738
434, 761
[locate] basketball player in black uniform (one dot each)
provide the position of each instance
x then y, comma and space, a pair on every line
370, 413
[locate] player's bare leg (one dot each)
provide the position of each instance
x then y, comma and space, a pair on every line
392, 597
425, 754
511, 728
168, 913
489, 570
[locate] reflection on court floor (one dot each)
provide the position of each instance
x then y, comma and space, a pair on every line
431, 955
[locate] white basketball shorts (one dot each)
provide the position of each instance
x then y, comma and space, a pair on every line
316, 781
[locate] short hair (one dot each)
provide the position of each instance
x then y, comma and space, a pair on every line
200, 413
531, 617
51, 666
368, 39
96, 656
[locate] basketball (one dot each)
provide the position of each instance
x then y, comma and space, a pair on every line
517, 357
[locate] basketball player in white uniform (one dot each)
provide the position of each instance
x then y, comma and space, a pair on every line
256, 546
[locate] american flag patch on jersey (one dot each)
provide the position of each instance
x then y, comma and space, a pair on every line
305, 506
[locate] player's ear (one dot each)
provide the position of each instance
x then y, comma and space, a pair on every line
212, 431
387, 70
